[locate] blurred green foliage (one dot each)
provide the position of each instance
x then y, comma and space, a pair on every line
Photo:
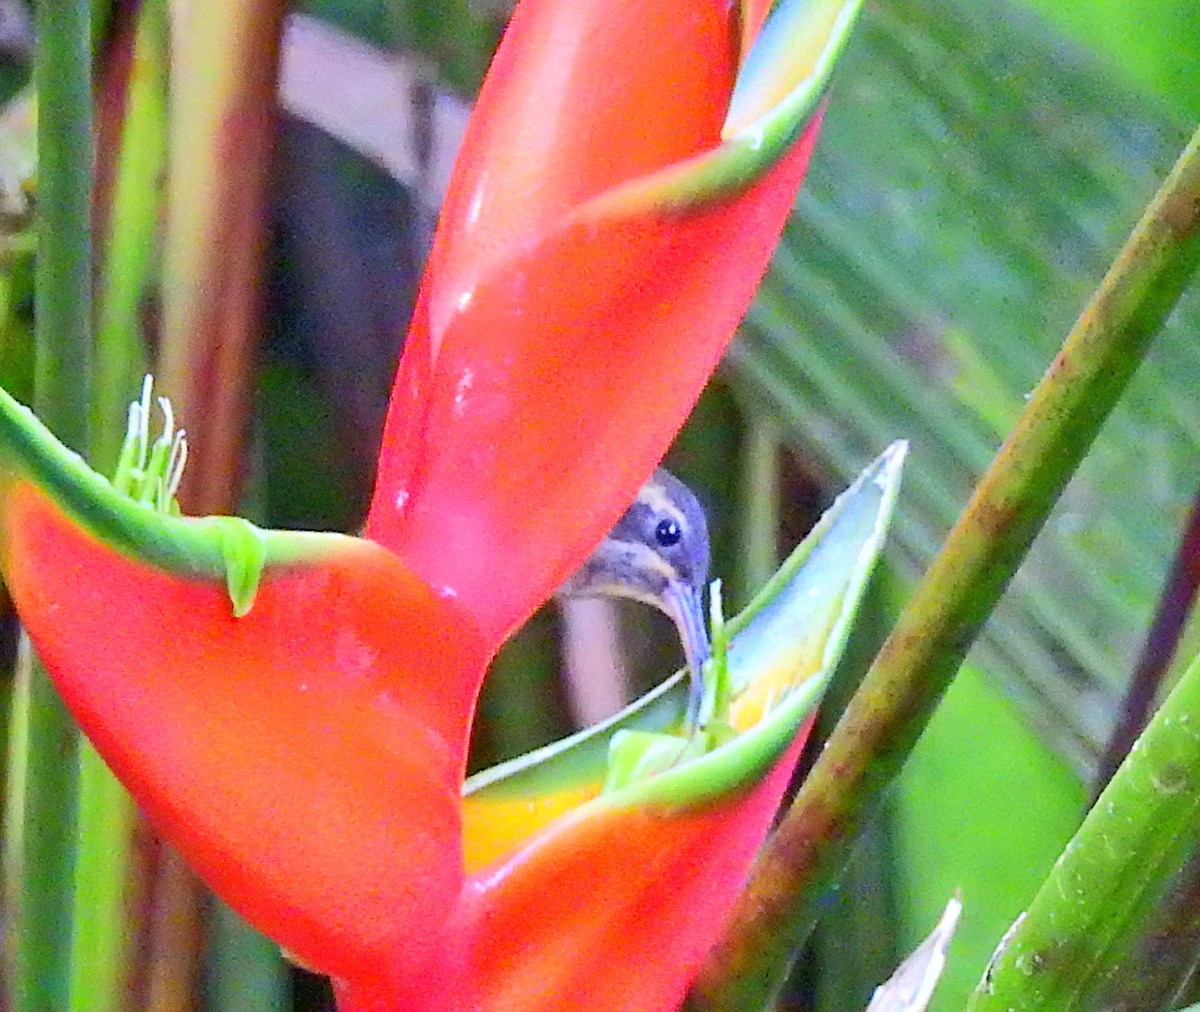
1152, 45
923, 288
373, 21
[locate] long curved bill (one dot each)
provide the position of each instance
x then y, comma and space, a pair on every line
684, 605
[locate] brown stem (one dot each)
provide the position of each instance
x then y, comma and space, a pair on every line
1168, 955
222, 131
1174, 607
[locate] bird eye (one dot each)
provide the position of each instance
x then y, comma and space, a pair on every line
668, 533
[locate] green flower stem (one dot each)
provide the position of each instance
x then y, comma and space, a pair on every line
245, 970
950, 605
722, 684
102, 935
64, 254
42, 802
41, 831
45, 792
1078, 931
127, 269
759, 520
102, 941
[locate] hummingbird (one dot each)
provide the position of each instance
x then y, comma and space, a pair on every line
657, 553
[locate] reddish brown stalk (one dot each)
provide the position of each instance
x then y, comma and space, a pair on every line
222, 132
113, 68
1174, 607
224, 68
1169, 953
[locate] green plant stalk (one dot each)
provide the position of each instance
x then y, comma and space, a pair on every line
129, 246
101, 941
43, 797
1078, 931
102, 933
949, 607
64, 255
245, 970
758, 556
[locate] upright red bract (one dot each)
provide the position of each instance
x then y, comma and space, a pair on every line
568, 322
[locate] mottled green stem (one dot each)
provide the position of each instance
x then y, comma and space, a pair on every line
43, 799
942, 619
101, 935
1079, 929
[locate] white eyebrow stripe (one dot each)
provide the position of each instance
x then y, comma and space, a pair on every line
654, 496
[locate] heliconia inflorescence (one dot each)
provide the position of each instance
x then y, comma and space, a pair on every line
292, 710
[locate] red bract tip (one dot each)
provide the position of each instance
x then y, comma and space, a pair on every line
599, 245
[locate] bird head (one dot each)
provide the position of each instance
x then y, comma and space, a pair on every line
657, 553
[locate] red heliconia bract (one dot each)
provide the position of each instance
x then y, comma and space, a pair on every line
311, 778
667, 879
558, 344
